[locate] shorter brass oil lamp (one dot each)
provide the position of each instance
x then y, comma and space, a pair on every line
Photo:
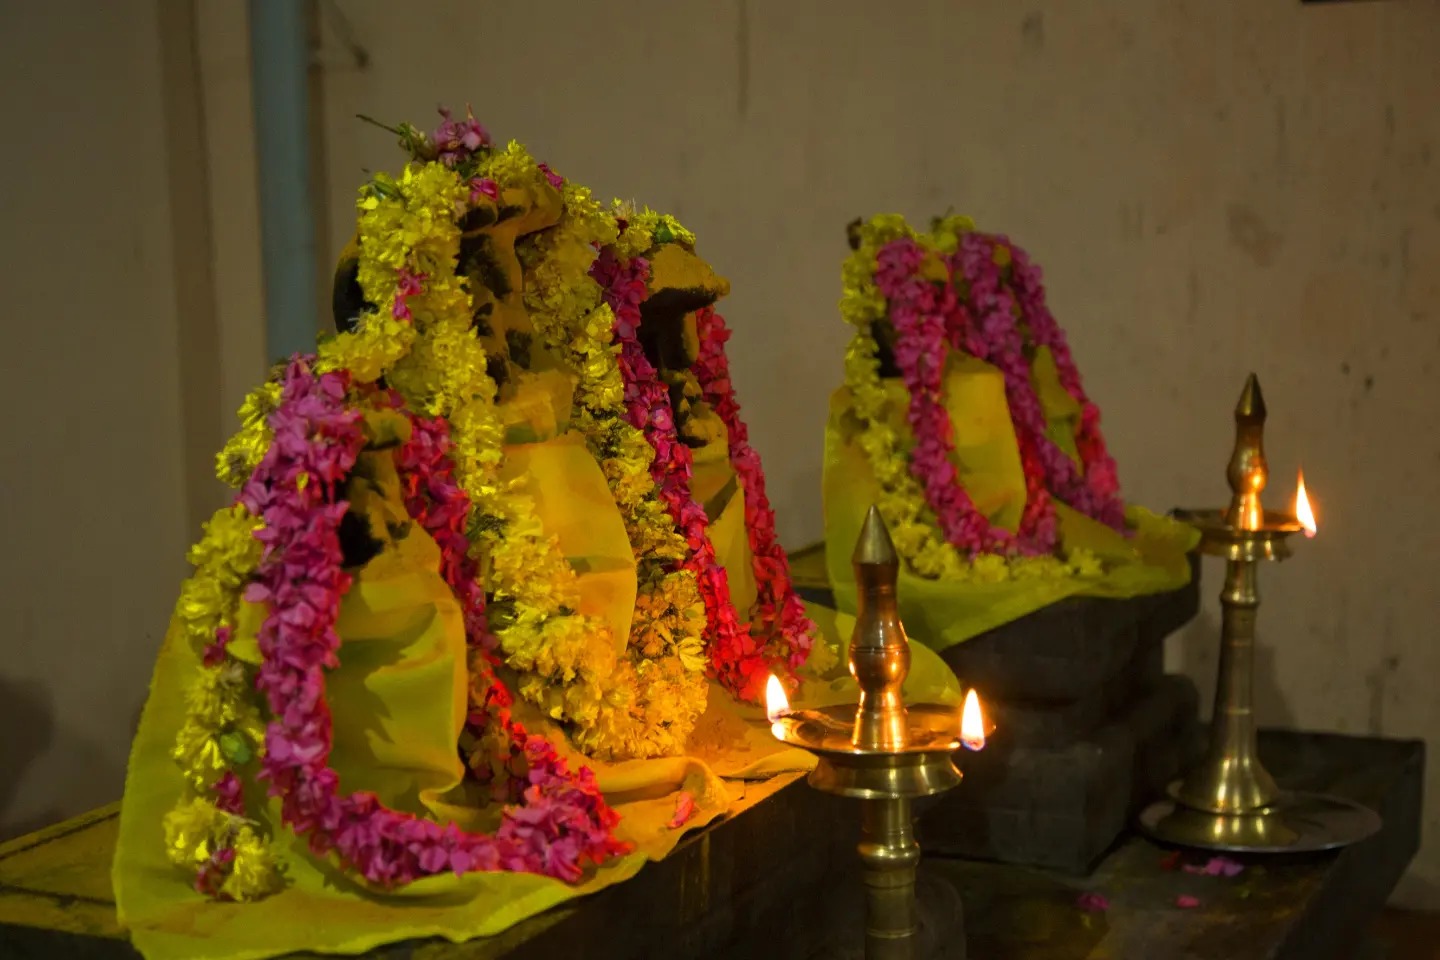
881, 752
1230, 802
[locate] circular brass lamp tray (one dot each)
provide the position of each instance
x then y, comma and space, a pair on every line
920, 766
1295, 823
1219, 538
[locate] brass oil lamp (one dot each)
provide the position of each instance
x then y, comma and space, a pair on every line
882, 752
1229, 801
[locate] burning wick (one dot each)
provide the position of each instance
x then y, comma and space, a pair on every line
1303, 513
777, 705
972, 723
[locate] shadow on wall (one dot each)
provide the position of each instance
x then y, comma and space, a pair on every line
41, 760
28, 722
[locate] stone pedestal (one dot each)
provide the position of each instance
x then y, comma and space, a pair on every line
1089, 728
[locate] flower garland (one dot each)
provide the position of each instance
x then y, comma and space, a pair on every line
1100, 471
665, 659
564, 825
916, 283
208, 831
408, 255
567, 820
1001, 342
778, 612
735, 659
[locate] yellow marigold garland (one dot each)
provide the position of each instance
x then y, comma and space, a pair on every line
666, 658
242, 452
222, 728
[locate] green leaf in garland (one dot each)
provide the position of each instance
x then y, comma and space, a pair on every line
236, 748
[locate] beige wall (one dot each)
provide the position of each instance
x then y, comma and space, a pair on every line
1213, 187
94, 506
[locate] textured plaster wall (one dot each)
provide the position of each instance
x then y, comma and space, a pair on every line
1213, 187
129, 237
94, 496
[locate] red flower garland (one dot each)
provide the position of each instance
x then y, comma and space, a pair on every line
564, 824
733, 657
779, 612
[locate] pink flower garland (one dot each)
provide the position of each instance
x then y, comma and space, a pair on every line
992, 334
733, 657
1000, 335
929, 317
778, 612
294, 490
581, 820
919, 312
1100, 471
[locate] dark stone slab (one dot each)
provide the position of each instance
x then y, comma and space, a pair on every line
1069, 650
1063, 806
1314, 907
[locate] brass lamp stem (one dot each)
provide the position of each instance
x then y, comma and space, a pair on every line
890, 855
1232, 779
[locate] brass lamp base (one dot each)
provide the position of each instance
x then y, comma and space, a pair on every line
919, 762
1295, 823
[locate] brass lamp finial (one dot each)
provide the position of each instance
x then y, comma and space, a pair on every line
1248, 471
879, 649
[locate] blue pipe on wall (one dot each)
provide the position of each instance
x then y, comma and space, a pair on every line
279, 77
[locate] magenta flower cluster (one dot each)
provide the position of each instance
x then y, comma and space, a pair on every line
295, 491
458, 140
990, 322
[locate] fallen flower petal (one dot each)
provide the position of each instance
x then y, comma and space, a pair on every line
1186, 902
1092, 902
1216, 867
684, 809
1227, 867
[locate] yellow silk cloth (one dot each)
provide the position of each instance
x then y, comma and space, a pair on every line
986, 454
398, 699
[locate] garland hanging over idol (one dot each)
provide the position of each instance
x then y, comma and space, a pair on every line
484, 301
964, 418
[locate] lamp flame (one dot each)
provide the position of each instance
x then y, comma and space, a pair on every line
972, 723
777, 704
1303, 513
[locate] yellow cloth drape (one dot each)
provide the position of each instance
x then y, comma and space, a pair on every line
941, 614
397, 701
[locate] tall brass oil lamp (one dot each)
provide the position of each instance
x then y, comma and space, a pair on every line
1229, 801
881, 752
